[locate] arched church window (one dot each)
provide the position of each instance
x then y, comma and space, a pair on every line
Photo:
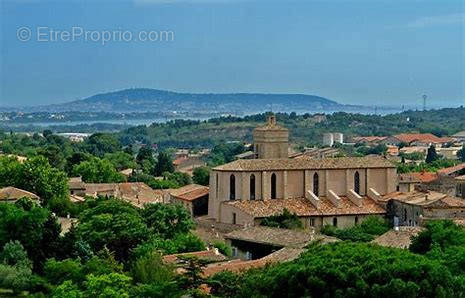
316, 184
252, 187
357, 182
232, 187
273, 186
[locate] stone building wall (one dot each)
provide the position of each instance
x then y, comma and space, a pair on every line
295, 184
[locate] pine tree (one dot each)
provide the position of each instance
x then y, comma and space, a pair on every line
432, 155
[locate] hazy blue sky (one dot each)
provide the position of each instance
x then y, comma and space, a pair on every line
362, 52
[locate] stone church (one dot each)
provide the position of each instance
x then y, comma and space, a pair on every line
337, 191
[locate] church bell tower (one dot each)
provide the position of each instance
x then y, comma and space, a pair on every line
271, 141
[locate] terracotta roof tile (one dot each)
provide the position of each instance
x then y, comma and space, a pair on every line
272, 236
306, 163
427, 199
400, 238
190, 192
234, 266
424, 177
450, 170
13, 193
421, 137
303, 207
210, 255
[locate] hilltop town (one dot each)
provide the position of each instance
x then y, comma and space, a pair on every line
240, 210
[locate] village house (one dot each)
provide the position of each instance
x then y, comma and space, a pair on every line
446, 182
187, 164
413, 208
11, 194
409, 181
416, 139
337, 191
460, 136
136, 193
369, 140
193, 197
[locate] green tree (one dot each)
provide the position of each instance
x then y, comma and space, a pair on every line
178, 178
145, 159
36, 229
108, 286
347, 269
75, 159
34, 175
97, 170
201, 175
432, 155
14, 254
113, 224
180, 243
151, 269
461, 154
286, 220
164, 164
441, 234
54, 155
167, 220
121, 160
67, 290
100, 143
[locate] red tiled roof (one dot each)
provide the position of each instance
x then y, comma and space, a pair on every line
234, 266
211, 255
450, 170
190, 192
303, 207
428, 199
421, 137
424, 177
179, 160
306, 163
368, 139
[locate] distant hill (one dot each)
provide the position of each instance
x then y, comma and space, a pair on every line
154, 100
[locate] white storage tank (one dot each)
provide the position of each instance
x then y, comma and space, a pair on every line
328, 139
338, 137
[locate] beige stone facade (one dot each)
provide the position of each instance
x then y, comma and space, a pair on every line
271, 140
338, 191
323, 179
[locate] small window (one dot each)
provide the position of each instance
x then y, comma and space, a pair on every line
248, 255
356, 220
405, 214
234, 251
234, 218
312, 222
335, 221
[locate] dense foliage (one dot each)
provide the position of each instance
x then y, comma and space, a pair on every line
285, 220
346, 269
364, 232
304, 129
